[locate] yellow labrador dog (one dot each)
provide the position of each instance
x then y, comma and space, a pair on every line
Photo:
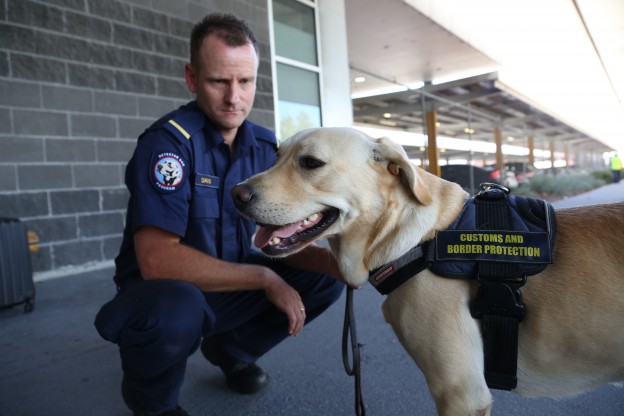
373, 205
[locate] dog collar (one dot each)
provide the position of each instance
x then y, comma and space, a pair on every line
392, 275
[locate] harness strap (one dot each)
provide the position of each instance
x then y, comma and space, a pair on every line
500, 349
392, 275
498, 302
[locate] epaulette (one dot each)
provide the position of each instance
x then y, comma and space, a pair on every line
184, 125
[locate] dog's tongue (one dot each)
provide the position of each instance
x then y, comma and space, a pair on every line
265, 234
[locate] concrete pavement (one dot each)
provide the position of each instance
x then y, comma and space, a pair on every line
52, 362
613, 192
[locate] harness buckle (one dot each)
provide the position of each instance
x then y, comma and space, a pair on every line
491, 190
498, 298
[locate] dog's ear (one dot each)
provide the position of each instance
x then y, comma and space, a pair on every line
399, 165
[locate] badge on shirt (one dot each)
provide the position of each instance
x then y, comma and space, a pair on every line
206, 180
167, 171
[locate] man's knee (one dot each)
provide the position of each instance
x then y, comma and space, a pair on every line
179, 309
154, 310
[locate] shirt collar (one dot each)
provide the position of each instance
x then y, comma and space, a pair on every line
245, 137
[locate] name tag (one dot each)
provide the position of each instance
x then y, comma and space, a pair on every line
206, 180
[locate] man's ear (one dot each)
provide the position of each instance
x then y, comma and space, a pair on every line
190, 76
399, 165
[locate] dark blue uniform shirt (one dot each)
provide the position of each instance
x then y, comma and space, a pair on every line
179, 179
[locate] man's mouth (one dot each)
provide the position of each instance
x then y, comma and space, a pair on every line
275, 240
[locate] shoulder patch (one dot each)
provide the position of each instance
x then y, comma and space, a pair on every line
167, 172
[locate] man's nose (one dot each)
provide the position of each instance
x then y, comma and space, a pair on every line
233, 93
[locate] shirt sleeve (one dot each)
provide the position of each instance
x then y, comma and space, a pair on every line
159, 183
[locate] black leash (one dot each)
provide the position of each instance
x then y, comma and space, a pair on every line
350, 331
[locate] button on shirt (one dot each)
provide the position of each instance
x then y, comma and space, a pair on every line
181, 185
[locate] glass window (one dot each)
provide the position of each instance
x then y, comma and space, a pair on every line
297, 84
299, 99
295, 32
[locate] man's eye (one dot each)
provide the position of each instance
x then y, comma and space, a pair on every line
309, 162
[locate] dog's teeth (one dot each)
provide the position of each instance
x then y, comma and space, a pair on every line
313, 217
276, 240
306, 222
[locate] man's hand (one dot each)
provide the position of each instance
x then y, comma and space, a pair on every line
287, 300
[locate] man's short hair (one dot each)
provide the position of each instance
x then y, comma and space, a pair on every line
229, 28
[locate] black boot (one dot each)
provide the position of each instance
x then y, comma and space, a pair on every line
244, 378
137, 411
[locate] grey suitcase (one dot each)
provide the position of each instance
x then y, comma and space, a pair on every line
16, 276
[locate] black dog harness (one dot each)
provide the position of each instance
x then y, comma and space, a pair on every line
499, 240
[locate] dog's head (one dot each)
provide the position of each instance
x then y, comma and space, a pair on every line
329, 182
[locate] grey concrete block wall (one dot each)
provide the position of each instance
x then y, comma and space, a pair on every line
79, 81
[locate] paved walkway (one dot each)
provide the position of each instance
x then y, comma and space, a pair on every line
613, 192
53, 362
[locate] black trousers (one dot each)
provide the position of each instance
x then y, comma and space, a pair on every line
159, 324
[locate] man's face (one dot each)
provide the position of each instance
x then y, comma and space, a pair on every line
224, 83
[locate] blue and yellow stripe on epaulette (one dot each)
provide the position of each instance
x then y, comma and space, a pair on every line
178, 129
183, 126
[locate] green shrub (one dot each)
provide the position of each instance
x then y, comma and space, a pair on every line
603, 175
525, 190
545, 185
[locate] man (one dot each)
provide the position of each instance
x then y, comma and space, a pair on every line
616, 167
186, 273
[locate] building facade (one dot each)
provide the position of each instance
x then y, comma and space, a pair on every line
81, 79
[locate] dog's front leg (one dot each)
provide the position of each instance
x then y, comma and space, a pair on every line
431, 318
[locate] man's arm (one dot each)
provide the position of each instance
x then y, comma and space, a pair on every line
161, 255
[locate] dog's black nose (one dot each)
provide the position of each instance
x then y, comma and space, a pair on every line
242, 194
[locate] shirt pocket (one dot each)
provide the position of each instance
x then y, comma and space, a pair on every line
205, 203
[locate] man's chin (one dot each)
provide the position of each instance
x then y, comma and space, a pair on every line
231, 120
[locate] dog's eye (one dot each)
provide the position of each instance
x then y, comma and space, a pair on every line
309, 162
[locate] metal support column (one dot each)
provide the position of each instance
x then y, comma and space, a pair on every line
552, 157
499, 152
566, 152
433, 152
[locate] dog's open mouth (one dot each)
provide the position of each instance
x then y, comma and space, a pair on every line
277, 240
